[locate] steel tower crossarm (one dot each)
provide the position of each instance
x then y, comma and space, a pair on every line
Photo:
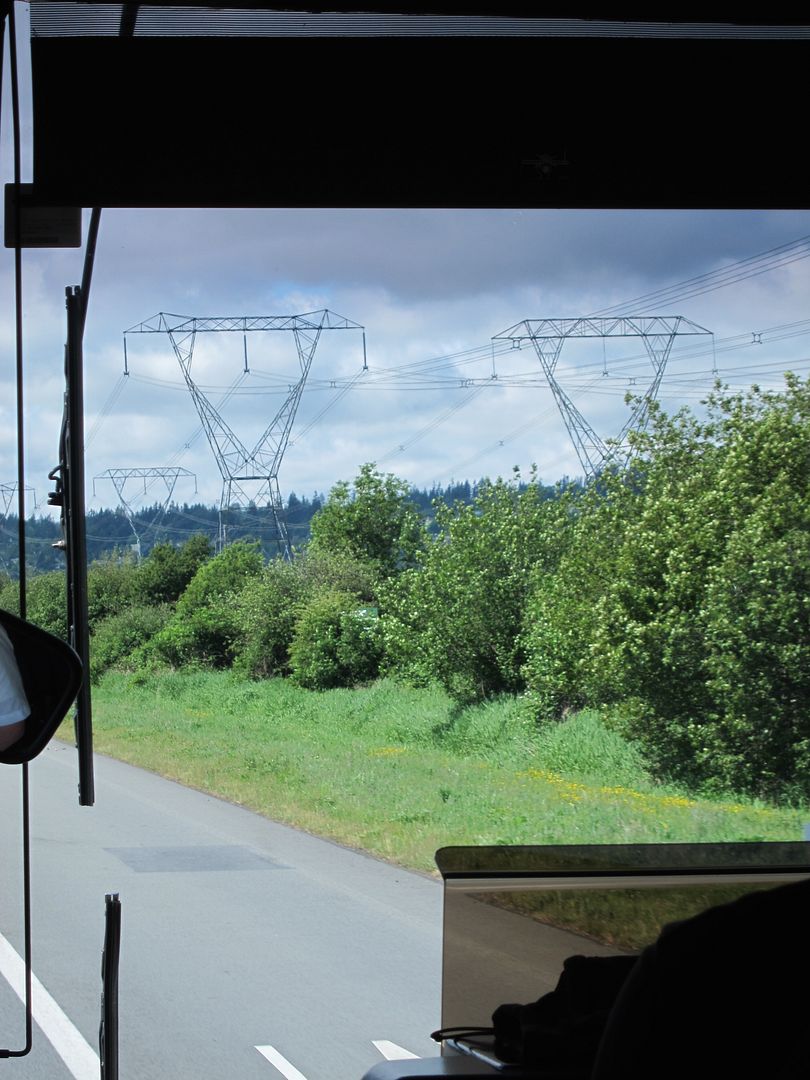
636, 326
164, 322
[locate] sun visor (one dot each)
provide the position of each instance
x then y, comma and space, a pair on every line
258, 108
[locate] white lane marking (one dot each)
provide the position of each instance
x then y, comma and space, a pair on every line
391, 1052
285, 1067
69, 1043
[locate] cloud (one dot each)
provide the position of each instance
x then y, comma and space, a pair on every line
430, 287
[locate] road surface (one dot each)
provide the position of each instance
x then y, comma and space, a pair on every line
248, 949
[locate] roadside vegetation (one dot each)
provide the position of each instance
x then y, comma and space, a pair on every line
400, 771
517, 653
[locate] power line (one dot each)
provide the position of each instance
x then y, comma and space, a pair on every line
772, 259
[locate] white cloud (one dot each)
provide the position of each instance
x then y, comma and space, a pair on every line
425, 284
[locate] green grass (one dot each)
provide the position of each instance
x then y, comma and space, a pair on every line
398, 772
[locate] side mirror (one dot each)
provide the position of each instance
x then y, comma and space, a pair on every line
52, 674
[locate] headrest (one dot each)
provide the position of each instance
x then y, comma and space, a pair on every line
51, 673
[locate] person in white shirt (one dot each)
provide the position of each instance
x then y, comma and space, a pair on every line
14, 707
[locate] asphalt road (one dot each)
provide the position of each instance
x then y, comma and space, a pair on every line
237, 933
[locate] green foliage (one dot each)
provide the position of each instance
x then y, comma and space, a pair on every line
111, 587
563, 608
266, 614
373, 520
583, 746
338, 570
457, 618
758, 662
673, 597
400, 772
166, 572
9, 594
117, 638
222, 576
46, 601
335, 643
705, 623
205, 626
267, 610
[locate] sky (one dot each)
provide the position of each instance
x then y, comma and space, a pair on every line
426, 286
431, 288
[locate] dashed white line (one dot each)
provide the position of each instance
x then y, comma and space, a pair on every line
285, 1067
391, 1052
78, 1055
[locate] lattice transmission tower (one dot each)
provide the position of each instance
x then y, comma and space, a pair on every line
8, 496
657, 332
167, 475
249, 477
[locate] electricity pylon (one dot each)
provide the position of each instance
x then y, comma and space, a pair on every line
119, 477
249, 477
8, 495
657, 332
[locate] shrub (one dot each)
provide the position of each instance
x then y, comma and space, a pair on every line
707, 616
46, 601
164, 575
337, 570
265, 616
563, 608
335, 643
110, 587
205, 627
267, 611
457, 619
9, 595
373, 520
222, 576
206, 636
117, 639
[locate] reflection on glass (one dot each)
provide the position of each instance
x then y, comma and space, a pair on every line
513, 914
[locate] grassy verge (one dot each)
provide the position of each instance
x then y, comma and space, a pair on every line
396, 772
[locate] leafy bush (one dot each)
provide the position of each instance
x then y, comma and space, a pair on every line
265, 615
111, 585
205, 627
164, 575
222, 576
9, 594
373, 520
267, 611
46, 601
562, 670
204, 636
706, 620
335, 643
457, 619
337, 570
117, 638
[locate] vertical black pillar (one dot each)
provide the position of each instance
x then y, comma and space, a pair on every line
75, 535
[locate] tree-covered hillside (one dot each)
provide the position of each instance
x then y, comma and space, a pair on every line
108, 530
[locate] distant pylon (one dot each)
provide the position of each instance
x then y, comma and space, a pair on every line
249, 477
658, 333
119, 477
8, 494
